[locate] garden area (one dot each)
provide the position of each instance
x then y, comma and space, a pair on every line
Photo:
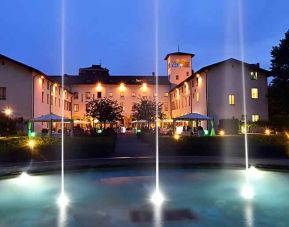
21, 149
259, 146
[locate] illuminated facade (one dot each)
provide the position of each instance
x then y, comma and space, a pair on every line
215, 90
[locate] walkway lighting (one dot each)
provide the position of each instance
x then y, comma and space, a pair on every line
221, 132
8, 111
177, 136
267, 131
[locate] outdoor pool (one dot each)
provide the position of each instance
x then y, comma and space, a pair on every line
120, 197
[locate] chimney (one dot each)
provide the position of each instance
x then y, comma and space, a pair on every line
258, 65
153, 73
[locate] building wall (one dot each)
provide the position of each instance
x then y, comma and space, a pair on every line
18, 82
179, 65
226, 79
131, 94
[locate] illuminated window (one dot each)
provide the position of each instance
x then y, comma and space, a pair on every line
232, 99
255, 117
87, 95
177, 77
75, 95
75, 107
133, 94
122, 94
198, 96
99, 94
2, 93
254, 93
110, 94
166, 94
254, 75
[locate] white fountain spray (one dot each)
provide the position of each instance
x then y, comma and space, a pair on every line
157, 197
62, 199
247, 191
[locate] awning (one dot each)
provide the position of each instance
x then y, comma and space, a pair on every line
193, 116
50, 117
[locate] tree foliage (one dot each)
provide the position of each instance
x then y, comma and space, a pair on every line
279, 88
104, 110
145, 109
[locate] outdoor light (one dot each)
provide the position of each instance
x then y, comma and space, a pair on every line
254, 172
55, 85
138, 130
206, 132
24, 177
287, 135
221, 132
7, 111
187, 87
198, 75
267, 131
157, 198
177, 136
144, 87
62, 200
31, 144
99, 87
122, 87
247, 192
99, 131
33, 134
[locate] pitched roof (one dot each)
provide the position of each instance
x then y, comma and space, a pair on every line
178, 53
253, 66
21, 64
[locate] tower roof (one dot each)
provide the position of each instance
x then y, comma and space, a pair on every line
178, 53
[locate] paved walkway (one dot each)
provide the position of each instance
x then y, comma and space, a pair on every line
129, 145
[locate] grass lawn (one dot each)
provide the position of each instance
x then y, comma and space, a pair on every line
15, 149
259, 146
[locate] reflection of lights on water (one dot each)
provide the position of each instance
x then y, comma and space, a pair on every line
157, 198
62, 200
247, 192
24, 177
254, 172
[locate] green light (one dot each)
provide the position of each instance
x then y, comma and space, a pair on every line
206, 132
99, 131
138, 130
32, 134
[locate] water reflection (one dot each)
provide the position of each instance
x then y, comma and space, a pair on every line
249, 214
62, 217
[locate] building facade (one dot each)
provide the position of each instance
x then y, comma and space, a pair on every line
215, 90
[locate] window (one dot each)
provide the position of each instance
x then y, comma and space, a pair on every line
99, 94
177, 77
166, 94
58, 102
166, 106
133, 94
254, 93
87, 95
42, 97
42, 82
76, 108
188, 74
255, 117
254, 75
122, 94
81, 97
110, 94
55, 101
121, 104
75, 95
2, 93
59, 93
47, 85
51, 100
231, 99
198, 96
47, 97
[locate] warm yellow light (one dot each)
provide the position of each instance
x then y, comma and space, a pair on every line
99, 87
287, 135
267, 131
55, 85
177, 136
64, 94
221, 132
7, 111
42, 77
178, 93
122, 87
187, 87
144, 87
198, 75
40, 80
31, 144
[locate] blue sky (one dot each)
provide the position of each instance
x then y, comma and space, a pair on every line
121, 33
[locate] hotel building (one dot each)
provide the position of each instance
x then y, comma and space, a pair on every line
215, 90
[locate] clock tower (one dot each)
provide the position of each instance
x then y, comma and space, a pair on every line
179, 66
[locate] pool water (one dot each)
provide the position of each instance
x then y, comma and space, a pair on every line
112, 197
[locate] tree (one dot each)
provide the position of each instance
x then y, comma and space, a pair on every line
104, 110
145, 109
279, 87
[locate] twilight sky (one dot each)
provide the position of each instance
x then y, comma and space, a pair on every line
121, 33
